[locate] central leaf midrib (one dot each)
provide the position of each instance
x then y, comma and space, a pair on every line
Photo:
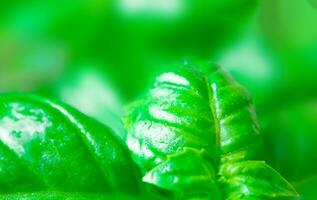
212, 106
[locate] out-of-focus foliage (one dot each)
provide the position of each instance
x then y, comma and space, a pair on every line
307, 188
129, 38
85, 51
291, 132
294, 36
263, 79
177, 28
41, 38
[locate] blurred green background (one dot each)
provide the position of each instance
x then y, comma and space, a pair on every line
98, 55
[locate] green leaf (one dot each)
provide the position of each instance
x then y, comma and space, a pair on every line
72, 196
186, 170
46, 147
206, 110
254, 179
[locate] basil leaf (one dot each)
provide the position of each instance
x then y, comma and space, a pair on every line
206, 110
236, 124
46, 147
71, 196
188, 166
254, 179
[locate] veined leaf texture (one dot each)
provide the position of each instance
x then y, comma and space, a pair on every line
49, 151
195, 133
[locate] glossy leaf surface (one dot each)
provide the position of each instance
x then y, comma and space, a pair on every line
45, 147
188, 166
72, 196
207, 111
254, 180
